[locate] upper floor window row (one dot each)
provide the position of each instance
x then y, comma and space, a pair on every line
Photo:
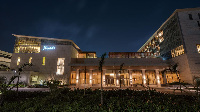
30, 60
191, 18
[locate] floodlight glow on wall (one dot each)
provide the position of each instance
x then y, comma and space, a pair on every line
158, 79
60, 66
48, 48
112, 74
144, 78
18, 60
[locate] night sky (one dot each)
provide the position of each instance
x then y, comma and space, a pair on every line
94, 25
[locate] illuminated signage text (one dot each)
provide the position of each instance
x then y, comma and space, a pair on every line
49, 48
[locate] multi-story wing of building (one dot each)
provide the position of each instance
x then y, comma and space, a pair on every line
177, 41
5, 59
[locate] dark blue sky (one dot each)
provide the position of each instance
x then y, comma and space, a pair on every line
94, 25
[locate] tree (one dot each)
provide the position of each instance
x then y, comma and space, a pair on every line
173, 69
53, 85
19, 72
197, 83
101, 62
2, 79
85, 80
5, 86
164, 74
120, 71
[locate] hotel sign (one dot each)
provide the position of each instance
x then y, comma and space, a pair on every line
49, 48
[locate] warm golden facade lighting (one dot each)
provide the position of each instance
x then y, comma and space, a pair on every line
43, 61
198, 48
18, 60
177, 51
27, 45
30, 59
60, 66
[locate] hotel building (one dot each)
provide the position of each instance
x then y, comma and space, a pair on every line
177, 41
5, 60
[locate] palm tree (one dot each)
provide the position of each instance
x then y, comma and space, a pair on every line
101, 62
120, 71
164, 73
85, 80
174, 70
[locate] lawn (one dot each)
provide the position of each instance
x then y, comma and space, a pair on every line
114, 100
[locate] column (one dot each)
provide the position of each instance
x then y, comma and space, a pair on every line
157, 78
104, 79
90, 81
118, 78
144, 77
164, 78
130, 77
115, 77
77, 77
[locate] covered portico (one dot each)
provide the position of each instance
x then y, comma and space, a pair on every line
139, 71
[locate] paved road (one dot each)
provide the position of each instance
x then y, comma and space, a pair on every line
160, 89
31, 89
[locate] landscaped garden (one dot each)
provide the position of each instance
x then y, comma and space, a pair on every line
113, 100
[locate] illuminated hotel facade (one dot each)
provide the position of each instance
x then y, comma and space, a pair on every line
177, 41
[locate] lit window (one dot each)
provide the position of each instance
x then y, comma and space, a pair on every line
18, 60
198, 48
60, 66
43, 61
27, 45
30, 59
160, 33
177, 51
161, 39
34, 78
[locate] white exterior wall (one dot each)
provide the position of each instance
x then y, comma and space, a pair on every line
191, 36
183, 68
47, 71
24, 76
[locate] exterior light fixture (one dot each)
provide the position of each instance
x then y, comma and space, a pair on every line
112, 74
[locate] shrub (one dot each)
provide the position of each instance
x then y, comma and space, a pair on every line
114, 100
